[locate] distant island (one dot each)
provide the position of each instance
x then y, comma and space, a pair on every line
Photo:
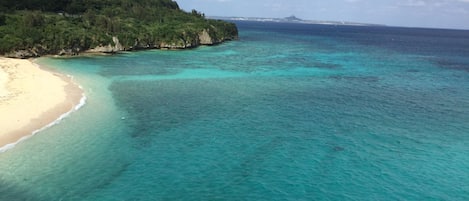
32, 28
293, 19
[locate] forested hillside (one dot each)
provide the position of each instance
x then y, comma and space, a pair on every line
37, 27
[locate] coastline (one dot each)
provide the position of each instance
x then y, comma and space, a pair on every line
33, 99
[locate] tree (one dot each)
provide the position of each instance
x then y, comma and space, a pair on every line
33, 19
89, 23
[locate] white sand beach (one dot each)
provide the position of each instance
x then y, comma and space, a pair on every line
31, 98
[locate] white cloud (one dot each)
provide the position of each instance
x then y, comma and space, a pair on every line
427, 2
413, 3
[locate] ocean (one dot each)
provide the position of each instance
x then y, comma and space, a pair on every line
287, 112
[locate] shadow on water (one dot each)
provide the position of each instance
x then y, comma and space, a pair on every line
165, 105
249, 165
10, 192
118, 173
452, 64
323, 65
356, 78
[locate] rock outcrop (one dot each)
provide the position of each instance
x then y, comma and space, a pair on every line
22, 54
110, 48
206, 37
69, 52
28, 53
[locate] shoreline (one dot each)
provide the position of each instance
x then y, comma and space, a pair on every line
33, 99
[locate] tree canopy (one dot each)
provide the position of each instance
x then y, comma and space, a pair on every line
54, 25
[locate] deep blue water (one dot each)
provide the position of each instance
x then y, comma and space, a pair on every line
288, 112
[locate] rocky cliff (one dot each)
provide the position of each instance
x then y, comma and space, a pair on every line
110, 48
205, 37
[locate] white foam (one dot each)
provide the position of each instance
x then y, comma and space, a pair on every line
57, 121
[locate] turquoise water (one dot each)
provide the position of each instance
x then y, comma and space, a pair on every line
288, 112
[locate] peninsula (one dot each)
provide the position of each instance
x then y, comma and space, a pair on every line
294, 19
32, 28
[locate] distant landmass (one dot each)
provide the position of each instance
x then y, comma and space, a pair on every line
294, 19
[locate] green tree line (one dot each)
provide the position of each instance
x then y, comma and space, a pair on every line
50, 26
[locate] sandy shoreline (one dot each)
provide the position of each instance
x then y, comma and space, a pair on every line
32, 98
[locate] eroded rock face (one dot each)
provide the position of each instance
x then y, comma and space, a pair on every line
70, 51
203, 38
117, 47
104, 49
206, 39
27, 53
172, 46
22, 54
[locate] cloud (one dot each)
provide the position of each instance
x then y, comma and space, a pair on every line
413, 3
420, 3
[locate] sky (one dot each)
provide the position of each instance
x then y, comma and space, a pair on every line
452, 14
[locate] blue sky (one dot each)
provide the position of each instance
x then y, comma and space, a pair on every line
410, 13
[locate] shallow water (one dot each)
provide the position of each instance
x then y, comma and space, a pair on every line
288, 112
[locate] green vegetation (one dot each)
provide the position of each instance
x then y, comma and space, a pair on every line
54, 26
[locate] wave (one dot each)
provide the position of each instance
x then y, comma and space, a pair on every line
57, 121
